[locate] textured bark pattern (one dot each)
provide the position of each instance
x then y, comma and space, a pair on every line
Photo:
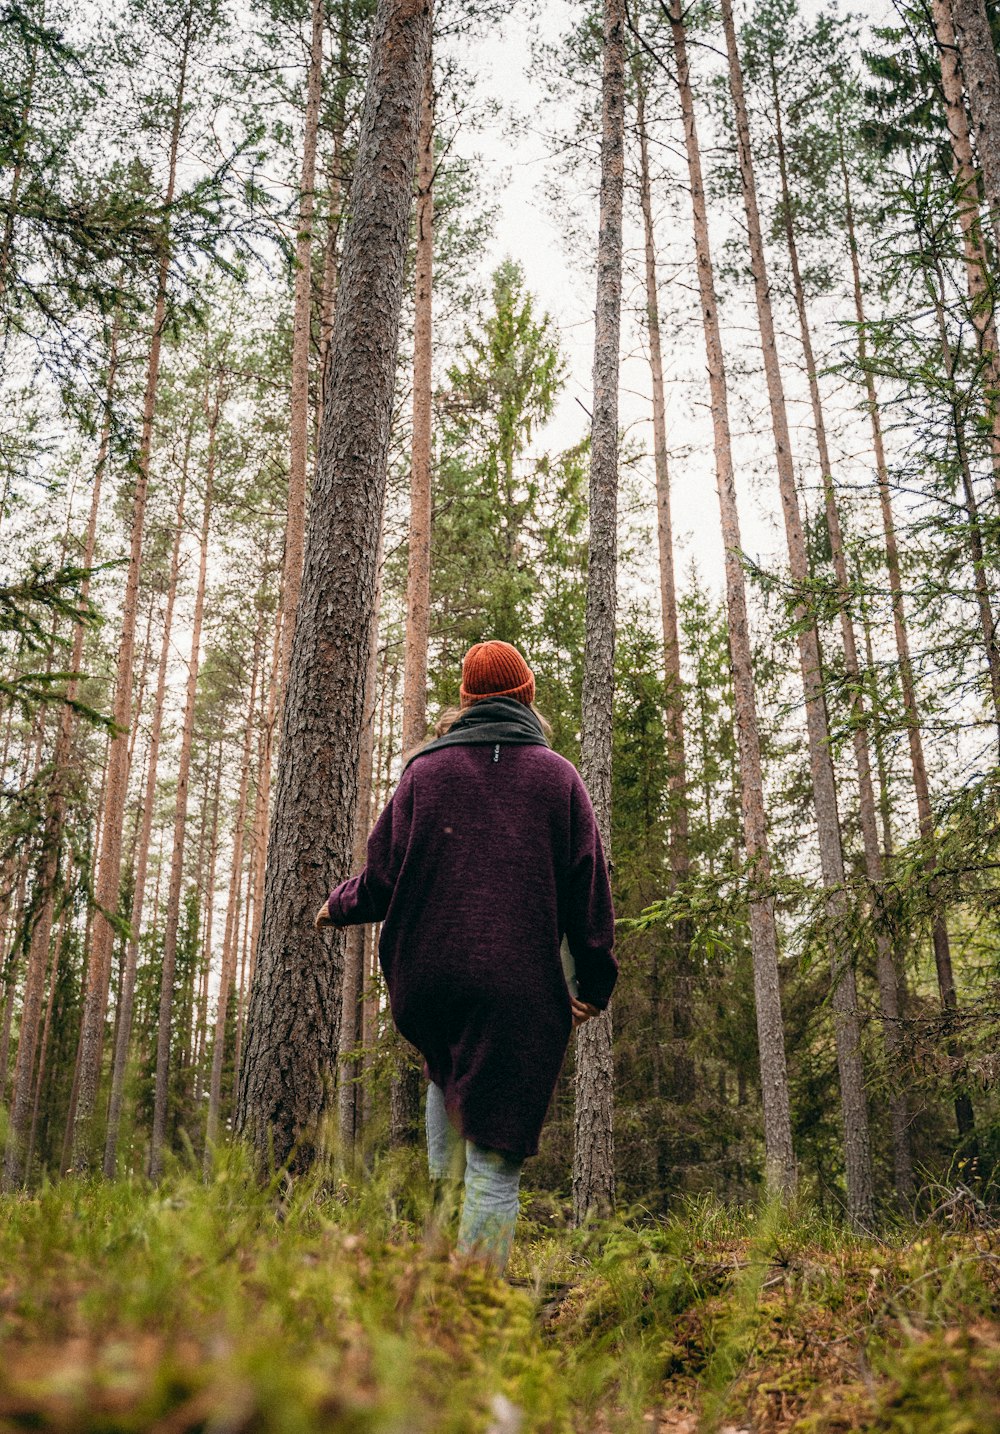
874, 869
860, 1185
23, 1109
418, 582
294, 1009
925, 816
593, 1151
982, 81
779, 1154
298, 427
127, 998
88, 1061
173, 912
974, 249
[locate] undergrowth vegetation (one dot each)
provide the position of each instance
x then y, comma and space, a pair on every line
220, 1305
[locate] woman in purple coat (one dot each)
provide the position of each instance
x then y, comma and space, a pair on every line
486, 856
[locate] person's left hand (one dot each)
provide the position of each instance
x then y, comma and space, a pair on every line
323, 917
583, 1012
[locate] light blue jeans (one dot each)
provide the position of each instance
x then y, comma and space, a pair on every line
492, 1180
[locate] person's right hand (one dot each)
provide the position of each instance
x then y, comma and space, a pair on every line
583, 1012
323, 917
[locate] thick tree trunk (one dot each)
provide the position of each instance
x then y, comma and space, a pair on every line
124, 1032
174, 891
295, 526
680, 937
116, 783
22, 1105
295, 997
874, 869
847, 1027
982, 81
593, 1148
964, 1117
778, 1151
974, 249
230, 940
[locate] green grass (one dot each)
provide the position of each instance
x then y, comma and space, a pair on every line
221, 1306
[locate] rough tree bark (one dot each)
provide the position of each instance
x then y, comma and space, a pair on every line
173, 909
593, 1146
964, 1118
116, 780
847, 1027
982, 82
885, 966
778, 1150
295, 524
295, 996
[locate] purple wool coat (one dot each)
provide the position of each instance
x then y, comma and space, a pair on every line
484, 858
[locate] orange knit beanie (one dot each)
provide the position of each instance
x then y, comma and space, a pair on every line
496, 669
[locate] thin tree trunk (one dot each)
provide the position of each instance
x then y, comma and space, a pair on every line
262, 802
116, 784
593, 1129
173, 911
860, 1184
681, 976
778, 1152
885, 966
52, 839
201, 1040
982, 81
230, 940
295, 996
57, 945
964, 1117
124, 1033
357, 936
295, 526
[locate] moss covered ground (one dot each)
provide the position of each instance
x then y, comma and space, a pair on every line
220, 1306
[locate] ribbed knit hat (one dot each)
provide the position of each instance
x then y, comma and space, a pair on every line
496, 669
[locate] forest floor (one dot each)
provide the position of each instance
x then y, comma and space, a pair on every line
219, 1307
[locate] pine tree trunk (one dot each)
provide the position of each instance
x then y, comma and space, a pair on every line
860, 1184
201, 1040
779, 1154
295, 996
874, 869
116, 780
964, 1117
680, 939
124, 1033
974, 249
262, 804
357, 936
174, 891
406, 1083
22, 1105
982, 81
230, 940
295, 526
593, 1147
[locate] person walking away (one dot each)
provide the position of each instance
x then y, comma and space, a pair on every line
486, 856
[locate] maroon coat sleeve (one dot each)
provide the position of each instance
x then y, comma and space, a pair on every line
590, 918
365, 898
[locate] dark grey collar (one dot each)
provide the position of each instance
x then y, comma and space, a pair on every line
495, 720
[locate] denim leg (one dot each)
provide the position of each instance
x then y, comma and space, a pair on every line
445, 1147
492, 1181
